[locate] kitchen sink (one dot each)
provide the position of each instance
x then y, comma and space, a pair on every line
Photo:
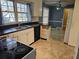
26, 26
23, 27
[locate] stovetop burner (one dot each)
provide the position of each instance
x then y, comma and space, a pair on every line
20, 50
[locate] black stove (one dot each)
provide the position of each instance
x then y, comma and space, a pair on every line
16, 53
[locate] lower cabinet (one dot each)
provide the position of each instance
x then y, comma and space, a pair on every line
13, 35
4, 36
25, 36
30, 36
22, 37
44, 32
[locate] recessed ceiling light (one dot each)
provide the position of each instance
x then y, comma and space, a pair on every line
58, 8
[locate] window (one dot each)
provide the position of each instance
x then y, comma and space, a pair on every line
23, 12
8, 14
8, 10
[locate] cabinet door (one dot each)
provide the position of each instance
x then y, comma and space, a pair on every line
4, 36
44, 32
30, 35
13, 35
22, 37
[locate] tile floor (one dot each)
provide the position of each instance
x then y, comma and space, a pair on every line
52, 49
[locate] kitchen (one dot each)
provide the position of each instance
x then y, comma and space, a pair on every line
23, 33
17, 31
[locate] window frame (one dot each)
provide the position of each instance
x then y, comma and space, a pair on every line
6, 23
24, 12
29, 19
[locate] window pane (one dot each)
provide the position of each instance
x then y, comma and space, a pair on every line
19, 15
22, 16
5, 17
3, 2
29, 17
22, 10
10, 3
5, 14
10, 9
4, 8
7, 5
21, 7
20, 20
12, 19
25, 16
18, 5
18, 9
26, 8
25, 19
10, 6
8, 17
29, 14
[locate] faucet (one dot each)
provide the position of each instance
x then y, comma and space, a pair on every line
19, 25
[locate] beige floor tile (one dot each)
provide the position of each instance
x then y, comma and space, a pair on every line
53, 49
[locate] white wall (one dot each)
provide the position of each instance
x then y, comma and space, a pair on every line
45, 15
68, 26
75, 25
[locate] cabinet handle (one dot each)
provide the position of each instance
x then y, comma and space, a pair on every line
3, 37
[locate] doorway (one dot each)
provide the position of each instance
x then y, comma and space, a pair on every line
56, 21
68, 14
60, 18
60, 21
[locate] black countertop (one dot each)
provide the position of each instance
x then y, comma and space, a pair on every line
16, 29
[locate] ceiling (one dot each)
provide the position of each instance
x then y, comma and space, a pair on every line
56, 2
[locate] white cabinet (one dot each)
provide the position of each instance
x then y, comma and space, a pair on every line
45, 15
30, 35
4, 36
22, 37
26, 36
44, 32
13, 35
